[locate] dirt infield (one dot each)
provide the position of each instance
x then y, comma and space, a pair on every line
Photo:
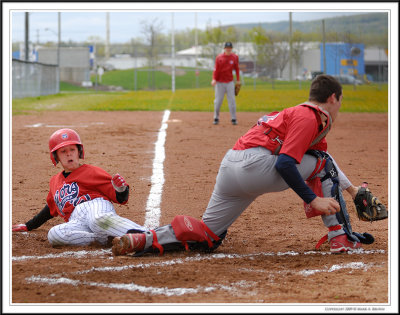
268, 255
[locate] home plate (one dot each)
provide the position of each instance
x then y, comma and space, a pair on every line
174, 121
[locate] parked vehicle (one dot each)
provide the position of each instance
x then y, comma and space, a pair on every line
347, 79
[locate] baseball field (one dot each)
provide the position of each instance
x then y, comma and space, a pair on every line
268, 257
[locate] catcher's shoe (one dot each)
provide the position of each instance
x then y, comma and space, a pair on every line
128, 243
342, 244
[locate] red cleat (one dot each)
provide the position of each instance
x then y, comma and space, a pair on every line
342, 244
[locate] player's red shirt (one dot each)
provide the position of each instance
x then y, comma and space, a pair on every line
296, 126
224, 65
85, 183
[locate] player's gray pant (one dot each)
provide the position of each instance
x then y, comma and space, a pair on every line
93, 220
220, 90
242, 177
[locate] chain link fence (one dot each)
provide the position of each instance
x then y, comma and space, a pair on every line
30, 79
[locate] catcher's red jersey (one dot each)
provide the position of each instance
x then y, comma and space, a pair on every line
85, 183
296, 127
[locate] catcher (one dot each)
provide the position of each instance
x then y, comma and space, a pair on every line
286, 149
83, 196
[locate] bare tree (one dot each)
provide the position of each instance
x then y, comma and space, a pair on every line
214, 38
268, 55
152, 32
281, 56
297, 50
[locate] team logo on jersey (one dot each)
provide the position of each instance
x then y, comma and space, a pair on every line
266, 118
231, 62
69, 193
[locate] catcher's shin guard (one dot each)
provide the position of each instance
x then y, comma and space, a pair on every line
342, 216
192, 234
188, 229
344, 219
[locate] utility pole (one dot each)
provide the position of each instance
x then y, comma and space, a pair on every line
107, 50
58, 50
290, 47
172, 54
26, 36
195, 49
323, 46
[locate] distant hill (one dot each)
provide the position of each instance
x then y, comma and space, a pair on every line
369, 23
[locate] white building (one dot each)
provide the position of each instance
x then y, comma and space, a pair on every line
376, 60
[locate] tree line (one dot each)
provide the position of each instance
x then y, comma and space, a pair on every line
271, 50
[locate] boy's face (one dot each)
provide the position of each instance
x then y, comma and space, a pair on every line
228, 50
69, 157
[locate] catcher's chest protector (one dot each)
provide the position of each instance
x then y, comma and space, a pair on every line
273, 124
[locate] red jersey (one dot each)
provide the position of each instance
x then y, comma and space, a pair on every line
294, 128
224, 65
85, 183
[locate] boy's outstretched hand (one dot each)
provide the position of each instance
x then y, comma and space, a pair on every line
119, 183
19, 228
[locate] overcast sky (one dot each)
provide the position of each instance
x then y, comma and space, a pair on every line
126, 21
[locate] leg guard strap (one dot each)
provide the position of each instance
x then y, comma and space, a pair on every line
209, 232
156, 244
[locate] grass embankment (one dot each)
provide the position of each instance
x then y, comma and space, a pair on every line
256, 94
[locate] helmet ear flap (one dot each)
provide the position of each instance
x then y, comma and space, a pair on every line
81, 152
53, 156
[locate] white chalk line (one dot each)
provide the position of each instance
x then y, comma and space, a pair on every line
356, 265
198, 257
37, 125
69, 254
153, 210
232, 287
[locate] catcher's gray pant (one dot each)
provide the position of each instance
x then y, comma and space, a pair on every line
93, 220
242, 177
220, 90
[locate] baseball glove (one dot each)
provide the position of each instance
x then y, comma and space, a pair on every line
237, 88
368, 207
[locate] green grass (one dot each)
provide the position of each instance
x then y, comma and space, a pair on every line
67, 87
185, 78
366, 98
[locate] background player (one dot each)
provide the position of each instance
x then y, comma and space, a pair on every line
82, 195
282, 150
222, 80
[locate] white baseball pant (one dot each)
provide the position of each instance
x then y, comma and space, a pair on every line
93, 220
